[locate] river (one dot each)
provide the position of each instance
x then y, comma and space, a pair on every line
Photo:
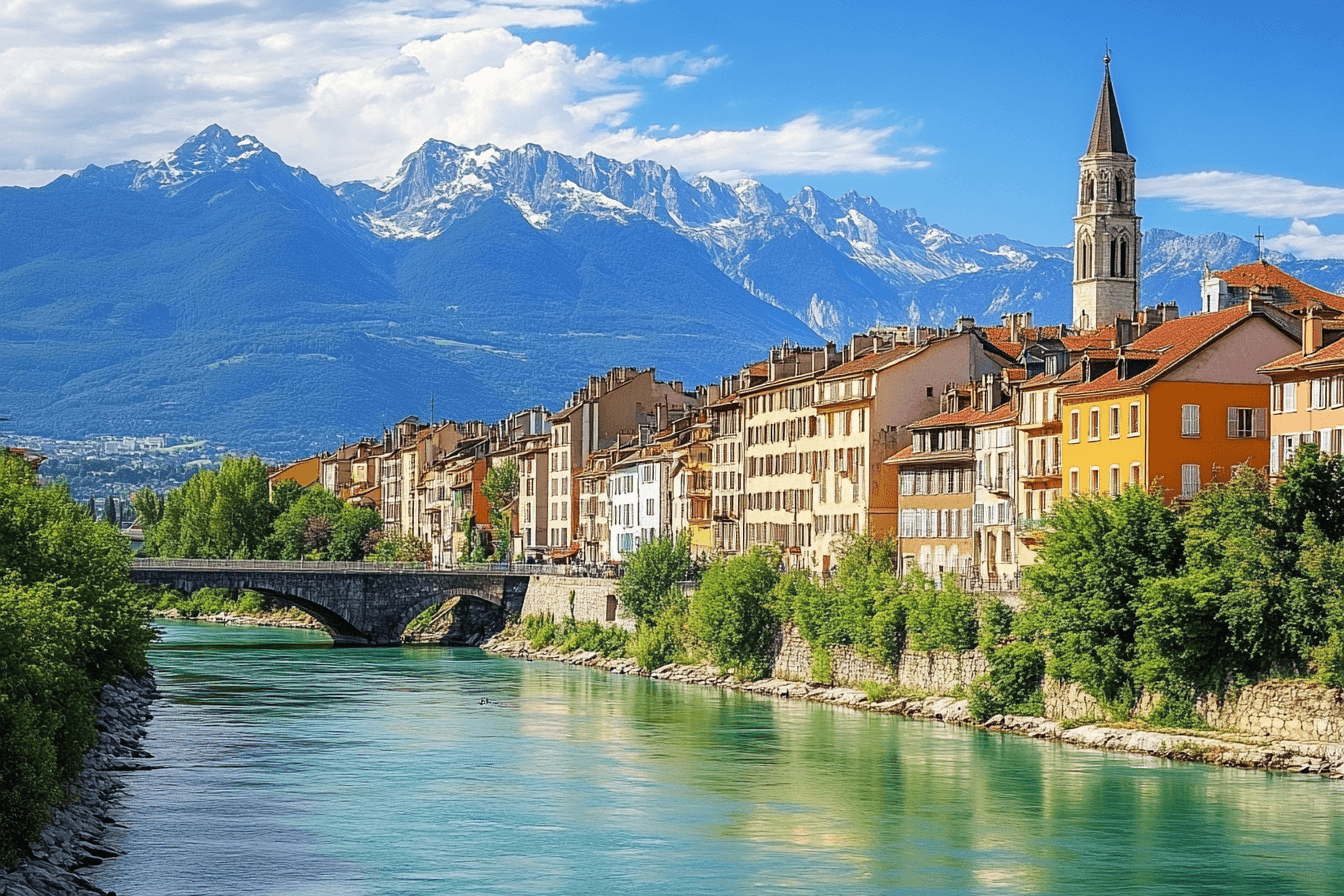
283, 766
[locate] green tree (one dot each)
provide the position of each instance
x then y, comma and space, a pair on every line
1083, 591
350, 530
652, 574
500, 488
284, 493
70, 620
733, 613
148, 507
402, 547
110, 510
291, 529
217, 514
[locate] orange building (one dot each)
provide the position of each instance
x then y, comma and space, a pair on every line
1177, 408
305, 472
1307, 394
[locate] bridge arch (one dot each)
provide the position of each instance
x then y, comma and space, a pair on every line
480, 604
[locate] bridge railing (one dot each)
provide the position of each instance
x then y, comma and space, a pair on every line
517, 569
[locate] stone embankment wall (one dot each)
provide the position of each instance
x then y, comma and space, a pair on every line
938, 672
1296, 710
592, 599
72, 840
1291, 710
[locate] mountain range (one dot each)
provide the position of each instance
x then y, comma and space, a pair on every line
222, 292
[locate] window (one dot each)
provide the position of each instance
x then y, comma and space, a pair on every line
1134, 477
1289, 397
1115, 480
1190, 420
1094, 424
1073, 481
1134, 419
928, 391
1320, 393
1115, 421
1073, 426
1337, 391
1096, 480
1189, 480
1245, 423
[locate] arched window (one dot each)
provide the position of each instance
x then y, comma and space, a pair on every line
1124, 258
1114, 267
1084, 255
1119, 189
1090, 191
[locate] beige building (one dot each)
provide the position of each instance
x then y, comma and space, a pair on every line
1307, 395
779, 453
863, 408
595, 416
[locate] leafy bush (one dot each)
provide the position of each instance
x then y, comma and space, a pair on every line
939, 618
70, 620
1176, 711
996, 623
1013, 684
733, 612
540, 630
652, 576
1091, 569
606, 640
823, 665
663, 640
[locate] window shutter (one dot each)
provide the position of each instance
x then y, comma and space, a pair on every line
1232, 423
1258, 428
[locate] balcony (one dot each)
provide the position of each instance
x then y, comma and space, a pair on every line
1040, 470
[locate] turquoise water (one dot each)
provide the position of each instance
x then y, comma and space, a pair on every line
286, 767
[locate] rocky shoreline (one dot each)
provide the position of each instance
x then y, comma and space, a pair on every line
277, 620
71, 841
1215, 748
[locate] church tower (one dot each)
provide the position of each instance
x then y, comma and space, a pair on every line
1106, 236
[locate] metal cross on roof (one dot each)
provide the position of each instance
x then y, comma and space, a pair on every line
1259, 245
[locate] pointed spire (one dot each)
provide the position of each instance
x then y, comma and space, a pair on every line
1107, 133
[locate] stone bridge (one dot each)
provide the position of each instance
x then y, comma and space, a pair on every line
359, 604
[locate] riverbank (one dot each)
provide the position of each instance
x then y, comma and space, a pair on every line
283, 618
1215, 748
72, 840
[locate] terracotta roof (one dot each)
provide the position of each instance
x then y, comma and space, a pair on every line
907, 451
1015, 374
1268, 277
1172, 342
1098, 338
967, 417
1072, 374
1331, 355
1107, 134
874, 361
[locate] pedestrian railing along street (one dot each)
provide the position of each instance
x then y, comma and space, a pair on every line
413, 568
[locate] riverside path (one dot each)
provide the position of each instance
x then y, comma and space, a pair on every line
359, 604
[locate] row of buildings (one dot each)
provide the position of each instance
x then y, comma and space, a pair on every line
956, 441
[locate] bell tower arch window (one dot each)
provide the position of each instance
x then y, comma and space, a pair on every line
1124, 257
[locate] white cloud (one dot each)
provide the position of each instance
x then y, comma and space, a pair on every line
1263, 195
1306, 241
346, 88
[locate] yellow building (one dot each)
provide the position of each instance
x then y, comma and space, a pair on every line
1178, 408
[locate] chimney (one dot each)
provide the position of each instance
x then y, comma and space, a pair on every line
1124, 332
1313, 333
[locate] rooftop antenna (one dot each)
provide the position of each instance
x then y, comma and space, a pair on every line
1259, 245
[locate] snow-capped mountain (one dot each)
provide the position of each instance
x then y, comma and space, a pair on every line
220, 291
858, 257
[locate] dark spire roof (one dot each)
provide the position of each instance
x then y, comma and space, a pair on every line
1107, 133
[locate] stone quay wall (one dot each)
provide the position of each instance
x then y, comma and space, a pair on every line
937, 672
592, 599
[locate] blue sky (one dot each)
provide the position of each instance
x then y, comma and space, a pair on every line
973, 113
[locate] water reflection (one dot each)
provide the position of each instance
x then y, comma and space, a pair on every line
381, 771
